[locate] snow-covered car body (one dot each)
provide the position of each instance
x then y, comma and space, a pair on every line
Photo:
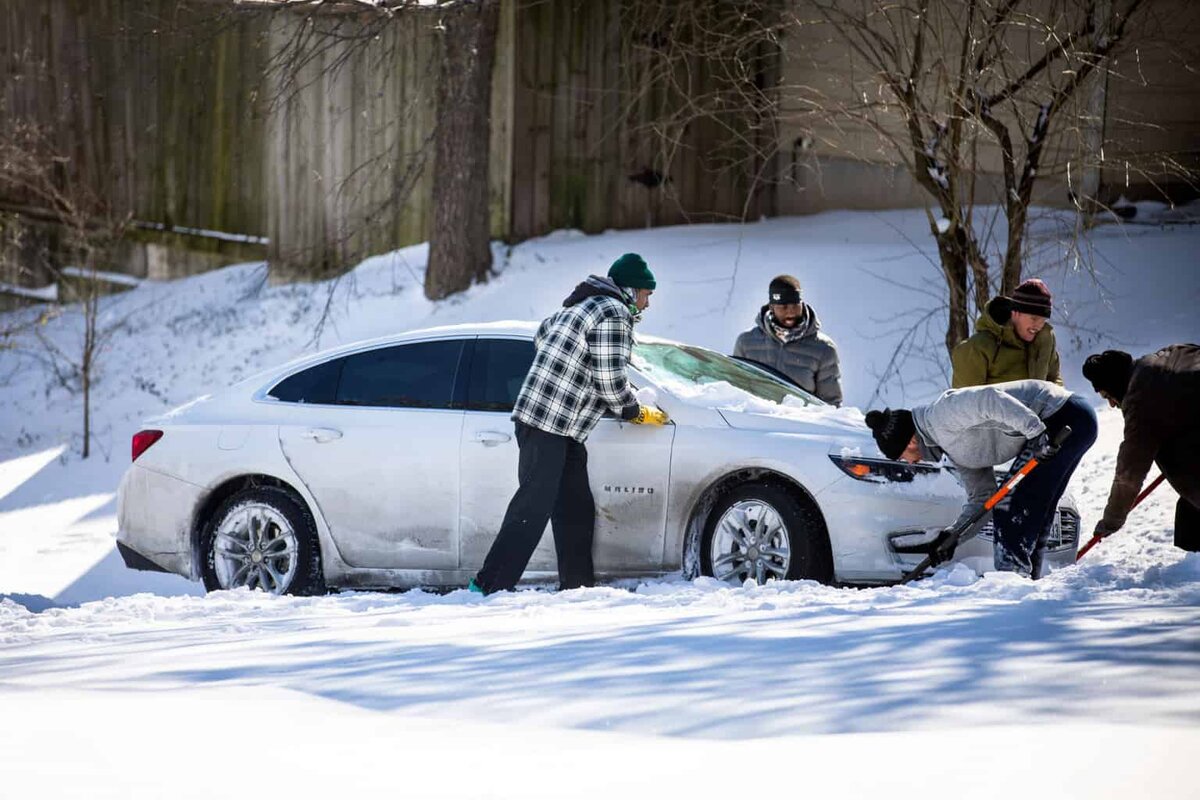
407, 465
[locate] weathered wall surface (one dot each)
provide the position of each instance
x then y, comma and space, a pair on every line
153, 103
313, 130
156, 108
592, 111
1152, 102
1148, 107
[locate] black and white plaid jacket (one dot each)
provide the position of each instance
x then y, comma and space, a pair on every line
579, 368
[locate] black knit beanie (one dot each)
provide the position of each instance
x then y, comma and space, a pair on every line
1109, 372
893, 430
1032, 297
784, 290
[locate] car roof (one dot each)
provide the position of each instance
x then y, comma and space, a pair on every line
523, 329
520, 328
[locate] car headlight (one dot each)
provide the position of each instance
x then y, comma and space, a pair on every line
881, 470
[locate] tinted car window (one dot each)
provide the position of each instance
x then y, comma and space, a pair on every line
497, 372
403, 376
314, 385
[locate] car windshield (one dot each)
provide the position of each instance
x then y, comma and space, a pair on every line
696, 367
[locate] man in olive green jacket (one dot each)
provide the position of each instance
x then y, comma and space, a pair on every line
1013, 341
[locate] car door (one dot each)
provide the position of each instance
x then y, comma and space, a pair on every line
381, 456
628, 466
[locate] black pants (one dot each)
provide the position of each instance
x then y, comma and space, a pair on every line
553, 486
1187, 526
1022, 523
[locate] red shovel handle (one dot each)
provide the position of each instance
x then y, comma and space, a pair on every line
1083, 550
1096, 539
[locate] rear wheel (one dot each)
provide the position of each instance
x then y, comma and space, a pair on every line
761, 531
262, 538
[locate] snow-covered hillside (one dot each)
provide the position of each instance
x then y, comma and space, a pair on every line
112, 684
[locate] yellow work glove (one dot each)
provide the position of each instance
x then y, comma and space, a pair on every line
650, 415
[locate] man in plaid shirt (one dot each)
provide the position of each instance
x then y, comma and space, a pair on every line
578, 372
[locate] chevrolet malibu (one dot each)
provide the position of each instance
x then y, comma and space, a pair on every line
389, 463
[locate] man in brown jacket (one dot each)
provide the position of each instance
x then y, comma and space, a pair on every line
1013, 341
1159, 395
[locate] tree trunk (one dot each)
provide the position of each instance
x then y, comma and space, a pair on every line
1018, 218
954, 252
459, 244
979, 277
91, 310
87, 414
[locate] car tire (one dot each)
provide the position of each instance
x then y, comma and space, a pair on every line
782, 537
273, 523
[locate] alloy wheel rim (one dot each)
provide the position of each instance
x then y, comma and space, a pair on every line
750, 542
255, 547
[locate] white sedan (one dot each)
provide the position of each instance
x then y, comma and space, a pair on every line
390, 463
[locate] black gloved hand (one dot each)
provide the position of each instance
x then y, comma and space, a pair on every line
1105, 529
943, 547
1041, 446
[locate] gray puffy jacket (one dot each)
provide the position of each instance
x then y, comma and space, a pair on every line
810, 359
979, 427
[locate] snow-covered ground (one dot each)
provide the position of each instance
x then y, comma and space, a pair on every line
117, 684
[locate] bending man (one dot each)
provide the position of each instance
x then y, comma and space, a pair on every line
981, 427
1159, 395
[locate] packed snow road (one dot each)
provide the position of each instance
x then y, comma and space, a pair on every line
700, 660
1084, 684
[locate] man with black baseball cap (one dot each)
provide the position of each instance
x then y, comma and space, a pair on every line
787, 337
1159, 396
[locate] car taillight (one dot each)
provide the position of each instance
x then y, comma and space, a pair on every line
142, 441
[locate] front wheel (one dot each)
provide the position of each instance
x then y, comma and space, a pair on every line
262, 538
761, 531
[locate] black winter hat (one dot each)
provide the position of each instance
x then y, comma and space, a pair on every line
893, 430
1032, 297
1109, 372
783, 291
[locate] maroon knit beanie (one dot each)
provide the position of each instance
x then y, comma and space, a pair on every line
1032, 297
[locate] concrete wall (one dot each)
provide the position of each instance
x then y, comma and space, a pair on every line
1150, 105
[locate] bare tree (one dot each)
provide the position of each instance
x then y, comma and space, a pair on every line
979, 101
459, 243
942, 81
31, 170
331, 45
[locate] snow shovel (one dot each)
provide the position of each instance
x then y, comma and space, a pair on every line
1096, 539
1005, 488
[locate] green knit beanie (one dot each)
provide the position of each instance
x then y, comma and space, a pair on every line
630, 271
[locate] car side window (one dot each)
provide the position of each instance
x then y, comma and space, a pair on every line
497, 372
419, 375
314, 385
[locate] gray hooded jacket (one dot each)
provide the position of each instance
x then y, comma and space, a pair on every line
979, 427
809, 358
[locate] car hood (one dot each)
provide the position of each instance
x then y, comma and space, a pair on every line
840, 424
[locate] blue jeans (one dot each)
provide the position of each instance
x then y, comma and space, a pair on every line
1022, 523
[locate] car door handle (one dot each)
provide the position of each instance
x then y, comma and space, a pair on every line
321, 434
491, 438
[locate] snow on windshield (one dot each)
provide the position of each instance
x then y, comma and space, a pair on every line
705, 378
